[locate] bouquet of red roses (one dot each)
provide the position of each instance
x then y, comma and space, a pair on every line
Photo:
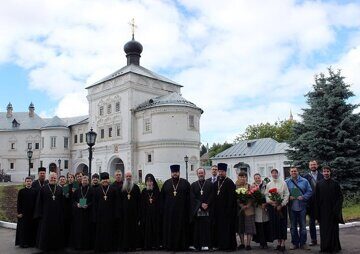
257, 196
275, 196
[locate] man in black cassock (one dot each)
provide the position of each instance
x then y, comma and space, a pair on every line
201, 200
224, 211
176, 205
41, 181
95, 181
104, 206
50, 210
26, 200
117, 185
81, 226
329, 200
150, 214
129, 200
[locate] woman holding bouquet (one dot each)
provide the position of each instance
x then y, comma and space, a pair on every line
277, 196
262, 224
246, 212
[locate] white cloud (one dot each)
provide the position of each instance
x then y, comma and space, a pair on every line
243, 62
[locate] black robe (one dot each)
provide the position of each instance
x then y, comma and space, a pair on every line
82, 226
176, 215
51, 214
104, 217
201, 224
225, 214
67, 214
26, 201
329, 200
129, 213
117, 231
151, 219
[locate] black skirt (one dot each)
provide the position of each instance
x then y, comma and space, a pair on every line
278, 223
263, 233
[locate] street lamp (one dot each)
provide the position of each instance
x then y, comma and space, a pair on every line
90, 140
29, 155
59, 161
186, 159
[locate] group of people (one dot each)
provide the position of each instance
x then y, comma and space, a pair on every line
72, 212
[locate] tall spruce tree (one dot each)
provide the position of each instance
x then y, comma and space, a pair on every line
330, 130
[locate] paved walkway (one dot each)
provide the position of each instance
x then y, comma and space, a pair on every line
350, 241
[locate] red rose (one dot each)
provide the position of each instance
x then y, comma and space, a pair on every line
273, 190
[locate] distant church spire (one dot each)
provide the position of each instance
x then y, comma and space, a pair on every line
133, 48
291, 118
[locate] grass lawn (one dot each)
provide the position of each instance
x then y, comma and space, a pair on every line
352, 212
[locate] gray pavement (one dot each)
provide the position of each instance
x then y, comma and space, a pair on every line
350, 241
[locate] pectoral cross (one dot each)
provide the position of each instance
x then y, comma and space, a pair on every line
175, 193
105, 197
151, 200
218, 192
133, 27
53, 197
201, 192
128, 196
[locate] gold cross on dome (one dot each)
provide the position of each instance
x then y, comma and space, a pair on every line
133, 27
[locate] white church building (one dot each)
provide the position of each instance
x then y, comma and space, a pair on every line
143, 124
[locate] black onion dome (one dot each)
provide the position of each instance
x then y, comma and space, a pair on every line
133, 47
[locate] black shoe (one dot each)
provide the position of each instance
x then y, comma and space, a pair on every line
241, 247
248, 247
278, 247
265, 246
282, 248
313, 243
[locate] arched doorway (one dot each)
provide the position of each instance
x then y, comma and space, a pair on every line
52, 167
82, 168
116, 164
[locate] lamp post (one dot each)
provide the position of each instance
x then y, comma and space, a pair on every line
90, 140
29, 155
186, 159
59, 162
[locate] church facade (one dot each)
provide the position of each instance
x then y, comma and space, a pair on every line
143, 125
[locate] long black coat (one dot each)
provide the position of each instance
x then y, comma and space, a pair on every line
26, 201
104, 212
311, 209
176, 215
225, 214
150, 222
329, 200
50, 235
82, 224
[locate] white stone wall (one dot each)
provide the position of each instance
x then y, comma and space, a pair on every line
256, 163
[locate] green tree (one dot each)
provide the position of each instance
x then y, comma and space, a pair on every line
203, 150
218, 148
280, 131
329, 132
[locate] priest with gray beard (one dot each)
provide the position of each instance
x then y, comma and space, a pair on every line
128, 203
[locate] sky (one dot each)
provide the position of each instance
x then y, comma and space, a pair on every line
243, 62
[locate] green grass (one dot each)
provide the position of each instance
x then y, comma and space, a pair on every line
351, 212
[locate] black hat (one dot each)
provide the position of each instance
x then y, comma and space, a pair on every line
175, 168
96, 175
41, 169
222, 166
104, 176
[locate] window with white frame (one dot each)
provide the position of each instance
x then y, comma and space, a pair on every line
191, 121
118, 130
117, 106
12, 146
30, 146
101, 110
109, 109
66, 142
110, 132
53, 142
36, 146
